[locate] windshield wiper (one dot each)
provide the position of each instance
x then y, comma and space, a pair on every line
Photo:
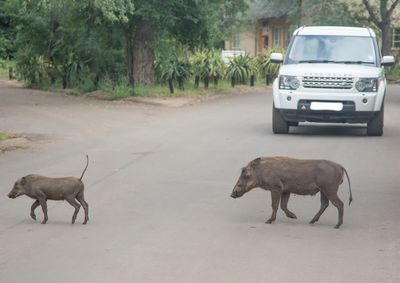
354, 62
317, 61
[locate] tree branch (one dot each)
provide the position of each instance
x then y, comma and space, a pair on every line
371, 13
394, 4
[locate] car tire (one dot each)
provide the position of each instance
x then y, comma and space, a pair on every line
279, 125
375, 125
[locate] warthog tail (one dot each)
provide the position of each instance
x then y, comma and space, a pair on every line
348, 179
84, 170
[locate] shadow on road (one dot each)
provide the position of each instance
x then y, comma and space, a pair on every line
329, 130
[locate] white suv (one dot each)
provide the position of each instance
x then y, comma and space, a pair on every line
330, 74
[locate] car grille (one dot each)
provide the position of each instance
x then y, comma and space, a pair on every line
328, 82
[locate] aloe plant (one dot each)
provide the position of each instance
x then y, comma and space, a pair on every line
183, 71
254, 70
177, 68
266, 67
198, 62
239, 69
217, 66
206, 65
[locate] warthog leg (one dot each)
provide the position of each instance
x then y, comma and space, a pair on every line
331, 194
43, 203
324, 205
33, 207
72, 201
339, 204
284, 201
85, 206
275, 197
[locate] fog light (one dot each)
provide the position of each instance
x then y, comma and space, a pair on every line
289, 98
365, 100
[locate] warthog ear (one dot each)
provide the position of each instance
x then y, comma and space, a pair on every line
23, 181
255, 162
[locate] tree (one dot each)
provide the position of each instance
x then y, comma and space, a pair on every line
77, 41
7, 30
316, 12
70, 40
190, 22
382, 19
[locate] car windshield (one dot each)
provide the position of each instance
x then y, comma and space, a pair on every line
332, 49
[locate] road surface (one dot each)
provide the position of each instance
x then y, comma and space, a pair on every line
158, 187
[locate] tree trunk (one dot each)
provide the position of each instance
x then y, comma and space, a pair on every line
10, 73
96, 81
180, 83
233, 82
171, 86
252, 79
382, 21
267, 79
216, 78
129, 55
206, 81
386, 40
64, 81
196, 81
143, 54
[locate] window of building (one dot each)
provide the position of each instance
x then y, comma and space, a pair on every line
236, 40
396, 38
277, 36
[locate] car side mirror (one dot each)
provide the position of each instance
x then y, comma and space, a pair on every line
276, 58
387, 60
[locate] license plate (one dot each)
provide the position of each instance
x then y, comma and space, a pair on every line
332, 106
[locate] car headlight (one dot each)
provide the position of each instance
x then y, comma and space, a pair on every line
367, 85
288, 82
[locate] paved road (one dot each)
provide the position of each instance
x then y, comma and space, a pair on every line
158, 187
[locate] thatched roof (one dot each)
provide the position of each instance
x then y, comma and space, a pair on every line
271, 15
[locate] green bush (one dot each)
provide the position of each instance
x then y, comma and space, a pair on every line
393, 72
118, 90
240, 69
265, 66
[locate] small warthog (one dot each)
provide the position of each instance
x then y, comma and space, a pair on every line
283, 176
43, 188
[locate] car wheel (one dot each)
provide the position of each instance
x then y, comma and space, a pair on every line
375, 125
279, 125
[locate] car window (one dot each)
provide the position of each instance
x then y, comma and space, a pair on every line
335, 49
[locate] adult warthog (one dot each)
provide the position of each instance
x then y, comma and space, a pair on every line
284, 176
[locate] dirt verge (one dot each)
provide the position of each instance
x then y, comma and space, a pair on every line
12, 142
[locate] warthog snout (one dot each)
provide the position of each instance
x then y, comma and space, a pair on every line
10, 195
237, 192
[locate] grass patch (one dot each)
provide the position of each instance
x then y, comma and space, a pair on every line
5, 136
3, 73
117, 91
4, 67
122, 89
162, 90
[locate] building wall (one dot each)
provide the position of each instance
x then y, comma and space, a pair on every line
247, 42
267, 33
273, 33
